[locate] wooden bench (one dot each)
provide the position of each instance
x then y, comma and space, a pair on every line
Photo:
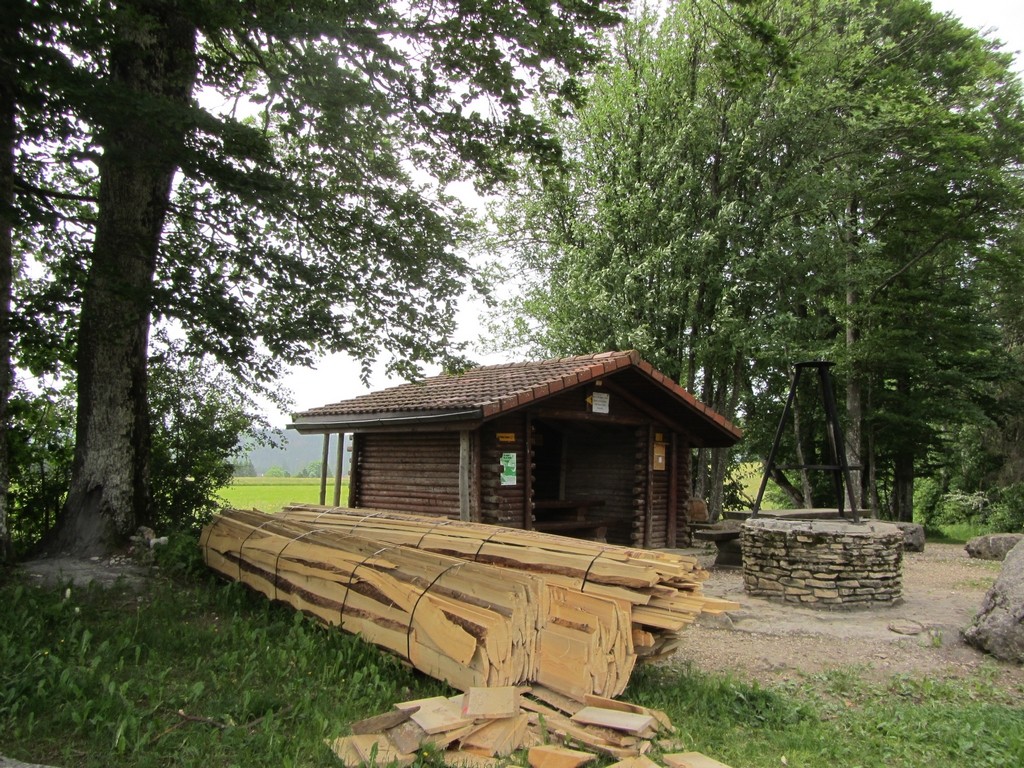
597, 531
727, 541
564, 516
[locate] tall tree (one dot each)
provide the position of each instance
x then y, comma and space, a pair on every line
759, 183
9, 32
304, 211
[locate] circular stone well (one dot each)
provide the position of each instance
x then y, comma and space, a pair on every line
823, 563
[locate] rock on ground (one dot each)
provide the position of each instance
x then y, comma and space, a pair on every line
994, 546
913, 536
7, 762
999, 628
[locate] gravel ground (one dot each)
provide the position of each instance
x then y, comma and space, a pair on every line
768, 641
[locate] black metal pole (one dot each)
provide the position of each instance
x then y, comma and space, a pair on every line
770, 463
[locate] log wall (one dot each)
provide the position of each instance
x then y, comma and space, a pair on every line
658, 528
409, 472
503, 504
607, 458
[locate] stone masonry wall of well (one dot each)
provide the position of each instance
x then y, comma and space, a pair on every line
826, 564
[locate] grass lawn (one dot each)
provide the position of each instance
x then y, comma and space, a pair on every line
194, 671
270, 494
749, 477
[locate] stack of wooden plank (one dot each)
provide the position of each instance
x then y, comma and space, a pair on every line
662, 590
467, 623
479, 727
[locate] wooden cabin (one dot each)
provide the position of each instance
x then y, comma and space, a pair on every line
596, 445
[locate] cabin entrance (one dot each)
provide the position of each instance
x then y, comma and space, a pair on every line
583, 478
549, 462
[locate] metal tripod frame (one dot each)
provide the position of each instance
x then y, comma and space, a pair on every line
839, 467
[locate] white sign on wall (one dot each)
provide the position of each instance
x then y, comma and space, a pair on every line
508, 469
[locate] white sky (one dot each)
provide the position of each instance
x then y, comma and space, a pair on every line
337, 377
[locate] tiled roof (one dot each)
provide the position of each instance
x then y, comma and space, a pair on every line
488, 391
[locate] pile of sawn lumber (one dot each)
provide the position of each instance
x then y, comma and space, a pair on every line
470, 604
480, 727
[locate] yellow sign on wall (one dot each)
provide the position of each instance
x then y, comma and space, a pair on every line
506, 437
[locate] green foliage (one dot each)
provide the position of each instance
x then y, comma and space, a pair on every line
960, 513
837, 181
295, 225
271, 184
92, 676
714, 700
276, 472
244, 469
39, 444
1006, 512
200, 417
312, 469
181, 559
927, 496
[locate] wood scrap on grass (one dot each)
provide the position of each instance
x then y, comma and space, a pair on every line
551, 738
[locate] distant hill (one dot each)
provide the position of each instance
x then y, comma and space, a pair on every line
294, 452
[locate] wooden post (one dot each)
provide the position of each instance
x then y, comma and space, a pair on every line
671, 526
353, 472
649, 496
465, 475
475, 494
323, 467
528, 473
339, 462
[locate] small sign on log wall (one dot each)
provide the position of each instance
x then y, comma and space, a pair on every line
659, 457
508, 469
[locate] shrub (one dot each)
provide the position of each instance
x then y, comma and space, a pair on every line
1006, 514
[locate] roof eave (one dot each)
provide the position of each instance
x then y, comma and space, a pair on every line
316, 425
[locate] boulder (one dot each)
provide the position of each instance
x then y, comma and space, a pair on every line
994, 546
913, 536
999, 628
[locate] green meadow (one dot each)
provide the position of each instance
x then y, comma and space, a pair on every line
270, 494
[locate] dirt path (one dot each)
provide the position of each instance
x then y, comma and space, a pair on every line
770, 641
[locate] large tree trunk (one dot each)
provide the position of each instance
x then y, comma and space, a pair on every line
854, 393
902, 502
854, 416
903, 488
807, 500
152, 67
9, 24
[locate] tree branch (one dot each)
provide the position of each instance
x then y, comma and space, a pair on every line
22, 185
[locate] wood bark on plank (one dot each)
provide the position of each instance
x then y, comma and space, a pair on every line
464, 622
666, 585
381, 722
